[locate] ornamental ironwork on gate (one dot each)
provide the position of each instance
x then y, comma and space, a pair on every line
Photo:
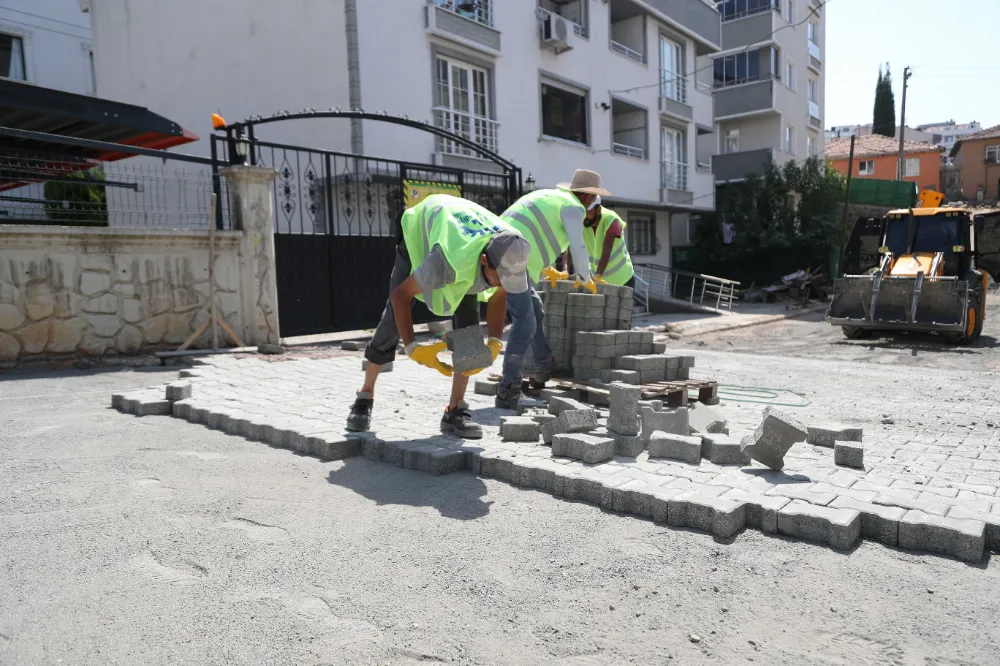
336, 216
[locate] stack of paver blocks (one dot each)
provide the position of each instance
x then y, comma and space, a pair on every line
570, 309
630, 357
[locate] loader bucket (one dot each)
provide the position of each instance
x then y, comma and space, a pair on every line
941, 304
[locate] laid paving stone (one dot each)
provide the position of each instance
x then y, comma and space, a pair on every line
537, 474
828, 435
878, 523
772, 439
673, 421
849, 454
963, 539
485, 387
387, 367
559, 404
722, 449
178, 391
149, 405
807, 492
761, 510
627, 445
468, 349
624, 417
837, 528
434, 460
584, 447
722, 517
519, 429
992, 521
675, 447
702, 419
634, 498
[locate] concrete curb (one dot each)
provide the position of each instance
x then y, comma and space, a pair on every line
765, 319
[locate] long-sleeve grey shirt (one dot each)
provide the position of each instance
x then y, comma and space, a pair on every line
572, 218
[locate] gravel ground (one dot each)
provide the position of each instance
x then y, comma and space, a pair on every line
131, 540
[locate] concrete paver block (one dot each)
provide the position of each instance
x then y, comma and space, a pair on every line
673, 421
434, 459
773, 437
624, 417
624, 376
526, 404
633, 497
485, 387
991, 520
827, 435
963, 539
722, 517
468, 350
559, 404
354, 345
675, 447
627, 445
178, 391
878, 523
723, 450
580, 446
849, 454
519, 429
837, 528
571, 420
702, 420
761, 510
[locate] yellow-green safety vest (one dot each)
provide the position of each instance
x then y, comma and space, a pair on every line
537, 215
462, 229
619, 269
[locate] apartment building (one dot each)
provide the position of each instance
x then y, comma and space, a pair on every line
47, 44
877, 156
553, 85
946, 134
977, 162
847, 131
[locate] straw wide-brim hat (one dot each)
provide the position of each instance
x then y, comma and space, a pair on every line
587, 182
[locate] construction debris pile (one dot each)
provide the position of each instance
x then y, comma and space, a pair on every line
802, 285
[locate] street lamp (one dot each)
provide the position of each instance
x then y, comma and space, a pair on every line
530, 182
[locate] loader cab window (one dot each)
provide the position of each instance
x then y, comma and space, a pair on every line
929, 233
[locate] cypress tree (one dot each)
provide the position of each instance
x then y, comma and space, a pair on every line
884, 121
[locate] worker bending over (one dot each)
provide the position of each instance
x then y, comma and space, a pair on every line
605, 237
551, 221
449, 253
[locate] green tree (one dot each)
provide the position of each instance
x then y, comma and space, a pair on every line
884, 120
782, 220
79, 203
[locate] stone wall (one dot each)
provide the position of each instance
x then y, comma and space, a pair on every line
82, 292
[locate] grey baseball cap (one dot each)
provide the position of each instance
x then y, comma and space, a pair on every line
509, 253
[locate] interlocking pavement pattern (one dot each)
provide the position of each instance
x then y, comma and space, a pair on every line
932, 460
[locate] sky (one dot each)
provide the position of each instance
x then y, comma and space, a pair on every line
951, 45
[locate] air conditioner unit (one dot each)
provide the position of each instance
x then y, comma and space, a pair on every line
556, 33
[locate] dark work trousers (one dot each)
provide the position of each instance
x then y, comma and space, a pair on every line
381, 348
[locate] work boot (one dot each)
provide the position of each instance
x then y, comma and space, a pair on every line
360, 418
544, 374
508, 395
459, 422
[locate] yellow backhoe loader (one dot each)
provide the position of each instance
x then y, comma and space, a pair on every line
927, 277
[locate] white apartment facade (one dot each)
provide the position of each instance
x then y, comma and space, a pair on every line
552, 85
46, 43
847, 131
944, 135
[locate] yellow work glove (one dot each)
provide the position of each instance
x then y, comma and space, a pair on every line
495, 345
589, 285
599, 279
426, 355
553, 276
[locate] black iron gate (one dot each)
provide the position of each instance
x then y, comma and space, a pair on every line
336, 222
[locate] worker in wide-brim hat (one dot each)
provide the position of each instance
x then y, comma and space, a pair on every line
451, 254
552, 221
604, 235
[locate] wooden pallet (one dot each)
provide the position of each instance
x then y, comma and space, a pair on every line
673, 394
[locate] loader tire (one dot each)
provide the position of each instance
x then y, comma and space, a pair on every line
974, 318
856, 332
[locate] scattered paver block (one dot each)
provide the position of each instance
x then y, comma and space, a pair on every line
541, 419
468, 351
627, 445
386, 367
178, 391
675, 447
702, 419
526, 404
723, 450
761, 510
486, 387
434, 459
827, 435
271, 349
584, 447
571, 420
837, 528
519, 429
849, 454
674, 421
624, 417
992, 521
559, 404
772, 439
354, 345
963, 539
722, 517
879, 523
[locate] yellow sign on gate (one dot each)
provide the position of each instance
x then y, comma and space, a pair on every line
415, 191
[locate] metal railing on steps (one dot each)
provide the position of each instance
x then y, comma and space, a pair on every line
655, 282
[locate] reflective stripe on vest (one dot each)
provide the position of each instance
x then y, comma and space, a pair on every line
619, 268
538, 216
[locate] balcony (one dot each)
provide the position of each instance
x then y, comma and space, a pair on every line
628, 123
693, 17
574, 11
745, 98
736, 166
815, 60
748, 29
674, 183
475, 128
678, 98
628, 30
469, 20
814, 117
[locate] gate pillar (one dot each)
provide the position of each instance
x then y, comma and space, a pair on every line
252, 211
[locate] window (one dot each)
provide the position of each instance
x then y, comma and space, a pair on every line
993, 154
810, 146
640, 236
813, 32
789, 139
790, 15
92, 71
475, 10
735, 69
790, 74
463, 106
672, 83
911, 166
813, 87
734, 9
673, 169
692, 226
564, 114
732, 141
866, 168
775, 62
12, 58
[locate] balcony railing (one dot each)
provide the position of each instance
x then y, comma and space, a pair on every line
632, 54
813, 109
475, 128
732, 16
814, 49
673, 175
578, 30
480, 11
743, 81
628, 151
673, 86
